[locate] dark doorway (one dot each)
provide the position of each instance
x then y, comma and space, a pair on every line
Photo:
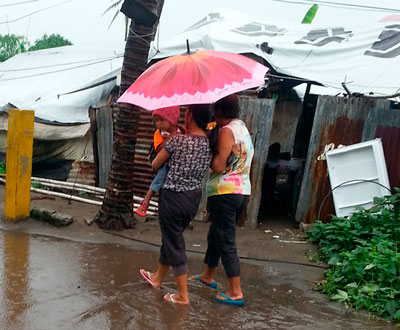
283, 172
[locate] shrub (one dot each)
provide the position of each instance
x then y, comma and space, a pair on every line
362, 252
2, 168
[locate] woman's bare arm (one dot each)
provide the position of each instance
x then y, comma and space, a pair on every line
226, 142
160, 159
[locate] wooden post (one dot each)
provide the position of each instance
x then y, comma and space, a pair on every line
19, 164
93, 129
258, 115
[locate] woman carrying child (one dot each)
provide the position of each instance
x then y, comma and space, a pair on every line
166, 120
188, 156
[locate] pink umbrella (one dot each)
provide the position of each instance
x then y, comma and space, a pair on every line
204, 76
391, 18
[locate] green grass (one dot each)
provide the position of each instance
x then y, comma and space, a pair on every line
2, 168
362, 252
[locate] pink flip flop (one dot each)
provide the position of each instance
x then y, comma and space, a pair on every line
144, 209
147, 276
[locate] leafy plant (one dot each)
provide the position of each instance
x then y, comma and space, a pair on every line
363, 255
36, 184
11, 44
2, 168
51, 41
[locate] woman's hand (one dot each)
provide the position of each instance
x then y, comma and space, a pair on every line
226, 142
160, 159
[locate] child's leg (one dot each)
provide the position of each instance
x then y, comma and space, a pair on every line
155, 187
149, 195
142, 209
158, 181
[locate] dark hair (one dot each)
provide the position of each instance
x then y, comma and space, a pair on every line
229, 106
202, 114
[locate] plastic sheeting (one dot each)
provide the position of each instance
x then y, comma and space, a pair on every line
50, 132
73, 142
362, 51
60, 84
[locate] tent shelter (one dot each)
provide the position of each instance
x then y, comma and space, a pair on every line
60, 85
349, 49
361, 53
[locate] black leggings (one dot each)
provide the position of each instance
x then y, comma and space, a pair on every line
224, 210
176, 210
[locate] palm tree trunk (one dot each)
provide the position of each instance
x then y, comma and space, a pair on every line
117, 209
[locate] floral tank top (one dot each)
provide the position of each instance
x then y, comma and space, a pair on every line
235, 179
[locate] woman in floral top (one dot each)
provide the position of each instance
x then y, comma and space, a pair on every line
188, 158
228, 189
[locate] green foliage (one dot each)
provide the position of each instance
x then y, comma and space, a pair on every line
36, 184
51, 41
2, 168
10, 45
363, 255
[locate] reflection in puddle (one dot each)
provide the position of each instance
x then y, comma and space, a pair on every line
55, 284
14, 297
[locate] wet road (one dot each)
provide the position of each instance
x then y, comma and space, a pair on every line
53, 284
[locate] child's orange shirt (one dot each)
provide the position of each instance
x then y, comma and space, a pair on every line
158, 138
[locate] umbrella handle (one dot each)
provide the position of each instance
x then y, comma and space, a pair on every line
187, 46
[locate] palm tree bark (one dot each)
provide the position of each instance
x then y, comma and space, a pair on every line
117, 210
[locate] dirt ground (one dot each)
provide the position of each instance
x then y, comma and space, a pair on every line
278, 277
257, 244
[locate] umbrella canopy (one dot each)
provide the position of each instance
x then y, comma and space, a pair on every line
204, 76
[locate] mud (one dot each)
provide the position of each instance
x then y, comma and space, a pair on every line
51, 283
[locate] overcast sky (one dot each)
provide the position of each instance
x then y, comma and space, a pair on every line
82, 22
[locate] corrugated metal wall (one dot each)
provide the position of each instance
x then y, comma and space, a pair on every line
345, 121
104, 139
143, 173
286, 118
391, 147
258, 114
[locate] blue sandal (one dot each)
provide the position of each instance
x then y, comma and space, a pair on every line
212, 285
228, 300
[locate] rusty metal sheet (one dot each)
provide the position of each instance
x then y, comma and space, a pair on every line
82, 172
344, 121
391, 147
143, 173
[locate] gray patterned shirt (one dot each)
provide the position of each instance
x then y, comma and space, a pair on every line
190, 158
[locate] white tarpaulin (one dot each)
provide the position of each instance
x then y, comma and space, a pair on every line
363, 51
50, 132
60, 84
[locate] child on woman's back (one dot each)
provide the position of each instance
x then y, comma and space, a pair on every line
166, 120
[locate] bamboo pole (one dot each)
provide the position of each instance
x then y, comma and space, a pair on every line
151, 209
84, 186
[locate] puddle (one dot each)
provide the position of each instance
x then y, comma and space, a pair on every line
55, 284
